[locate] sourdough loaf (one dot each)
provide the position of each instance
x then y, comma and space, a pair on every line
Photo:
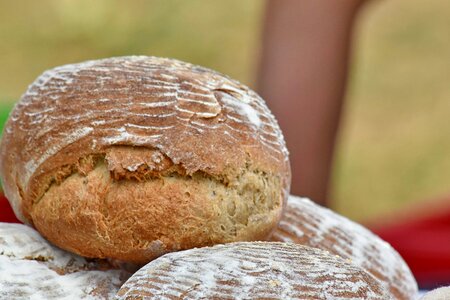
307, 223
31, 268
258, 270
133, 157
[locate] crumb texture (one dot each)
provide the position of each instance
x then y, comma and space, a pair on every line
31, 268
258, 270
307, 223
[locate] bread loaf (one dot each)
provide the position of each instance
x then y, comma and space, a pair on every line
258, 270
442, 293
307, 223
30, 268
133, 157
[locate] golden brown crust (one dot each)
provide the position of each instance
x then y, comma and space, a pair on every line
97, 216
143, 118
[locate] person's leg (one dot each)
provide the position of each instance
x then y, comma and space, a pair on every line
302, 77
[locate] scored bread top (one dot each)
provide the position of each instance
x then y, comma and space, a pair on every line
31, 268
309, 224
191, 116
251, 270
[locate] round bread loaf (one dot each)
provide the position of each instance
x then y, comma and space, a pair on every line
307, 223
133, 157
258, 270
30, 268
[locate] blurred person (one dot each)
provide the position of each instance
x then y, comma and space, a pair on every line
303, 74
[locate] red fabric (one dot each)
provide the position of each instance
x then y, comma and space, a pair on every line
6, 212
424, 243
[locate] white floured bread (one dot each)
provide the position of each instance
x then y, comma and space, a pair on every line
307, 223
258, 270
31, 268
442, 293
132, 157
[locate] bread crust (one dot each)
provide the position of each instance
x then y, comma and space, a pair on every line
31, 268
252, 270
143, 120
309, 224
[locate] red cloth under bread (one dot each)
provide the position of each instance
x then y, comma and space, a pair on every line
6, 212
424, 243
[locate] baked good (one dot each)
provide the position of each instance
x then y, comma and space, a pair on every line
31, 268
251, 270
133, 157
442, 293
307, 223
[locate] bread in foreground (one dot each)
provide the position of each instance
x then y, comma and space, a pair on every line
309, 224
251, 270
442, 293
133, 157
31, 268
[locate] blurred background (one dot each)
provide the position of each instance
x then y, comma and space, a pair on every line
394, 144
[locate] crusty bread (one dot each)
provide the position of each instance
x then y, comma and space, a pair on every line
307, 223
258, 270
30, 268
132, 157
442, 293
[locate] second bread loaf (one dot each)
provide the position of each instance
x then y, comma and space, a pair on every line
309, 224
133, 157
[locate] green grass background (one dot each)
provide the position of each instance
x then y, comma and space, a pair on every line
394, 148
